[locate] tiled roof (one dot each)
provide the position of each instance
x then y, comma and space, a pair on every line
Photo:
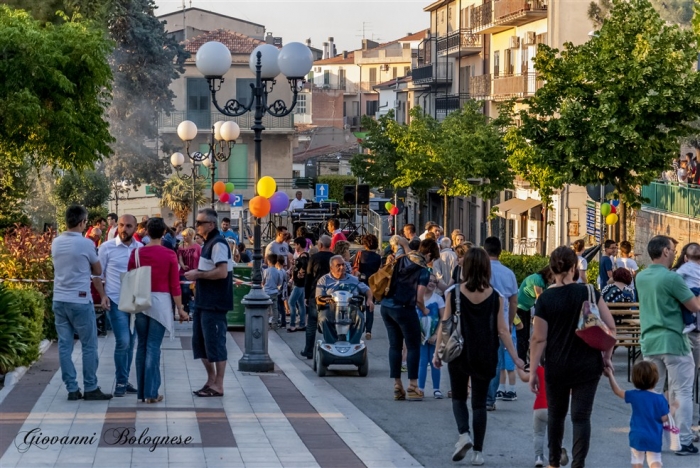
237, 43
419, 36
337, 60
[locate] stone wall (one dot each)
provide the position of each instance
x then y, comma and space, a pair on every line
651, 223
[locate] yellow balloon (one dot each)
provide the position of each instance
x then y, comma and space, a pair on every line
267, 186
611, 219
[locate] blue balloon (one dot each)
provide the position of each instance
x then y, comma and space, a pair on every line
615, 203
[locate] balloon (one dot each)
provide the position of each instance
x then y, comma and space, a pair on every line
267, 187
611, 219
219, 188
279, 202
613, 210
388, 206
615, 203
394, 210
259, 206
224, 198
229, 187
605, 209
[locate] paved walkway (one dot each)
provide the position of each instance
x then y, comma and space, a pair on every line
287, 418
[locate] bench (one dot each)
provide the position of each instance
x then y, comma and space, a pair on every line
626, 315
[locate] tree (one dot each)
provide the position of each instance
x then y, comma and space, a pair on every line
46, 10
88, 188
378, 168
673, 11
177, 196
145, 62
14, 188
54, 92
611, 110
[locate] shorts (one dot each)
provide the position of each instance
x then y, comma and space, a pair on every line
652, 457
209, 330
504, 356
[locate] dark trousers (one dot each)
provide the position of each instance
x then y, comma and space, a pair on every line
459, 382
523, 335
311, 325
282, 311
369, 320
402, 324
582, 396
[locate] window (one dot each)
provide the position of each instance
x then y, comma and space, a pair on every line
371, 107
198, 102
509, 68
326, 77
238, 166
345, 109
372, 76
496, 62
464, 76
394, 72
341, 78
243, 92
406, 71
301, 104
296, 174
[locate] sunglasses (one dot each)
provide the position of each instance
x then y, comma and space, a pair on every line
199, 223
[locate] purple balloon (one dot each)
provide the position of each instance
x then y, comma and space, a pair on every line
279, 202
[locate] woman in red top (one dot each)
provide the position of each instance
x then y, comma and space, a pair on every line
152, 323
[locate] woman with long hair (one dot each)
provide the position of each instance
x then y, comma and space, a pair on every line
483, 323
573, 368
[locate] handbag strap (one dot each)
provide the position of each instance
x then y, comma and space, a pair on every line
458, 296
591, 294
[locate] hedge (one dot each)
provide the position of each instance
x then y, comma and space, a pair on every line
336, 184
21, 327
525, 265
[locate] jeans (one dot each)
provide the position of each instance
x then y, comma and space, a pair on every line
274, 311
150, 333
681, 371
539, 428
402, 324
426, 359
694, 338
582, 396
523, 335
296, 302
124, 346
459, 382
311, 325
493, 385
71, 318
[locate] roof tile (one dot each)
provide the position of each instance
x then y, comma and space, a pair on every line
237, 43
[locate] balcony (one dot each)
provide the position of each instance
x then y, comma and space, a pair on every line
433, 74
500, 15
519, 85
167, 123
459, 44
480, 86
680, 199
445, 105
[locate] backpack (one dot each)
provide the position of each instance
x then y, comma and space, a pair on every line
404, 291
380, 282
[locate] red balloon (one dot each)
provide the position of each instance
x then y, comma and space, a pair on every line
613, 209
224, 197
394, 210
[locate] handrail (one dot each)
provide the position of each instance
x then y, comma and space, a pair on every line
375, 224
205, 119
673, 197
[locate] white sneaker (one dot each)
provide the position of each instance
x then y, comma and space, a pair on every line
477, 459
689, 328
539, 461
464, 443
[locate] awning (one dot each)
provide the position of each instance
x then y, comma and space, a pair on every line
511, 209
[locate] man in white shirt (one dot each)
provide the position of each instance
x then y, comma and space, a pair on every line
111, 226
428, 227
74, 261
298, 203
114, 257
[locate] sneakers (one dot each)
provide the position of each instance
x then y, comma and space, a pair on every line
509, 396
437, 394
97, 395
689, 328
491, 407
477, 459
122, 389
74, 396
564, 458
689, 449
539, 461
464, 443
500, 394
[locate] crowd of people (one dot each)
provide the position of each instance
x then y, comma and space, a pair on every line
508, 329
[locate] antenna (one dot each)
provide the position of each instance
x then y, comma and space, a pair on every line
364, 29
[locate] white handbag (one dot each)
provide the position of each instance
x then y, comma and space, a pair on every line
135, 293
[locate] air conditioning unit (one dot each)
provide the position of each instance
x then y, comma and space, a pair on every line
384, 67
531, 38
514, 42
317, 69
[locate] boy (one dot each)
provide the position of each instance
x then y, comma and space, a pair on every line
272, 281
690, 272
282, 305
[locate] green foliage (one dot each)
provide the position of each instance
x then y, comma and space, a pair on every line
611, 110
12, 331
673, 11
592, 272
89, 189
31, 305
45, 10
379, 167
177, 195
14, 188
54, 92
335, 185
523, 265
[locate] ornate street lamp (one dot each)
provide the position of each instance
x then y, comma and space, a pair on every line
177, 160
294, 61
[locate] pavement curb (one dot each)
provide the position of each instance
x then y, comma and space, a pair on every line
11, 378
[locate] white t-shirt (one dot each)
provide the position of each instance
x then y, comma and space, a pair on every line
72, 256
297, 204
690, 271
627, 263
582, 265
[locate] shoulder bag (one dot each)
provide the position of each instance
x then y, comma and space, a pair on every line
591, 328
452, 341
135, 293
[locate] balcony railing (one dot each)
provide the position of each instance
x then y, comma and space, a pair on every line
480, 86
515, 86
205, 120
459, 43
507, 10
445, 105
675, 198
433, 74
495, 16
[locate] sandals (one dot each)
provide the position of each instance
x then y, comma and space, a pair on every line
206, 387
399, 393
415, 394
154, 400
208, 392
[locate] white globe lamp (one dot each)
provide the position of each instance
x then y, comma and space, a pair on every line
177, 159
213, 59
295, 60
268, 61
217, 130
187, 130
230, 131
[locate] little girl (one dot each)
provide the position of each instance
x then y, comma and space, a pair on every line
429, 323
649, 412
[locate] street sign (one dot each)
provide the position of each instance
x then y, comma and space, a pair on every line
321, 192
590, 218
238, 200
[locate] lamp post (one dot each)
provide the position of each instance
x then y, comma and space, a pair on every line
117, 188
177, 160
294, 61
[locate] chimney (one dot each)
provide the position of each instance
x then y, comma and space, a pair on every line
345, 54
308, 43
325, 50
331, 48
269, 39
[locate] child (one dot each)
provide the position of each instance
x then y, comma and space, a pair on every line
272, 281
283, 292
429, 323
539, 419
649, 412
690, 272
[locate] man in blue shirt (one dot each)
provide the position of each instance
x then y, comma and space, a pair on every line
226, 231
606, 263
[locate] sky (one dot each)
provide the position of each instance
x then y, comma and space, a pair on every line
343, 20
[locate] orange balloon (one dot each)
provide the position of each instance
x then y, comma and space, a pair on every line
259, 206
219, 188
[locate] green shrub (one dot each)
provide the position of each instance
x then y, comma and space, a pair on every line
592, 272
523, 265
13, 332
31, 304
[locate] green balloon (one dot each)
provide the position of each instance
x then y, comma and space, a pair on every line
388, 206
605, 209
229, 187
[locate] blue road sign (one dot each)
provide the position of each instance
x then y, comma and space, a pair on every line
321, 192
238, 200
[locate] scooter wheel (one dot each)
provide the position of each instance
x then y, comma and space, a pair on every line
320, 368
363, 369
